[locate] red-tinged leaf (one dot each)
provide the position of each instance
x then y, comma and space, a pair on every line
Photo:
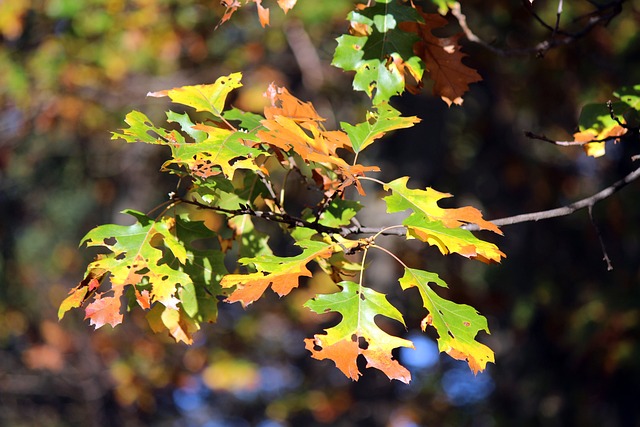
442, 58
457, 324
105, 310
282, 274
357, 333
79, 294
137, 256
223, 151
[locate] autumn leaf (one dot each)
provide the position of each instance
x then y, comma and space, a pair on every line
294, 126
457, 324
442, 58
376, 125
282, 274
105, 310
357, 333
596, 126
134, 259
204, 98
223, 151
380, 53
438, 226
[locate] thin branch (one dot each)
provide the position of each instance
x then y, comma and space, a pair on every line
565, 210
604, 249
532, 135
558, 38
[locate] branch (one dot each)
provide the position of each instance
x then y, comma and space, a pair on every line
565, 143
293, 221
565, 210
603, 15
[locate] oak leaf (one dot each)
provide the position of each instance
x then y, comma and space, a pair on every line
438, 226
457, 324
442, 58
380, 53
357, 333
294, 126
282, 274
209, 98
377, 124
136, 258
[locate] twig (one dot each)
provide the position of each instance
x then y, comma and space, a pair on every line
604, 249
565, 210
565, 143
559, 37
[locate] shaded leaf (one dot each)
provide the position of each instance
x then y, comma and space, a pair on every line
596, 123
442, 58
282, 274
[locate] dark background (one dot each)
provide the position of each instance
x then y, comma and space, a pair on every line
565, 330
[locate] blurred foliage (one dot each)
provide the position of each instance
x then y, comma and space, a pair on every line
564, 329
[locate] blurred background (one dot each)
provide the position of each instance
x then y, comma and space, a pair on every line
565, 330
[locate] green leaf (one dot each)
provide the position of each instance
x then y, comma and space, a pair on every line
381, 54
444, 5
457, 324
339, 213
249, 121
134, 258
629, 95
141, 129
377, 124
597, 117
186, 125
222, 151
357, 333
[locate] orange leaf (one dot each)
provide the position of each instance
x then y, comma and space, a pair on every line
283, 274
263, 13
293, 125
286, 5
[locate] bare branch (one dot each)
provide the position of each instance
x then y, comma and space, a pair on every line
604, 249
559, 37
565, 210
563, 143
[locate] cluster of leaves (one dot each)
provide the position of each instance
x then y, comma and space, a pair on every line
237, 164
599, 123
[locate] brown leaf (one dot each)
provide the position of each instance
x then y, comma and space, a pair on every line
442, 58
